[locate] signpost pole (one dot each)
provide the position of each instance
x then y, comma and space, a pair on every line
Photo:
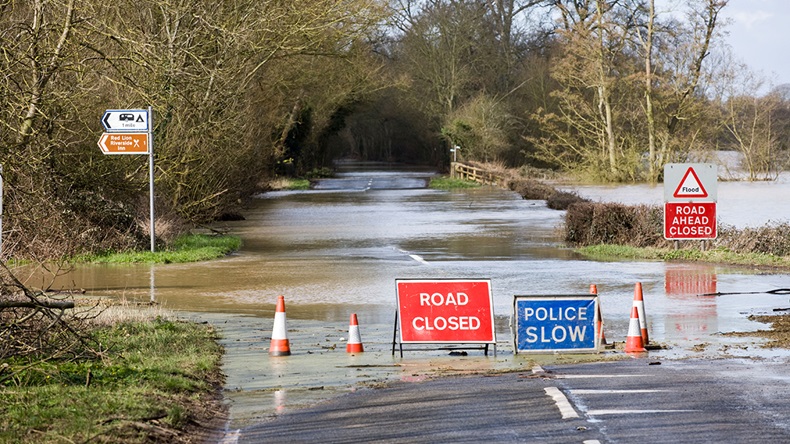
151, 175
131, 131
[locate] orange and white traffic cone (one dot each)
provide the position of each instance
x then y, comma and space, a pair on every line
280, 345
639, 303
598, 316
354, 344
633, 343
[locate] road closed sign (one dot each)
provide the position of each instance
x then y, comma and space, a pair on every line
555, 323
690, 193
445, 311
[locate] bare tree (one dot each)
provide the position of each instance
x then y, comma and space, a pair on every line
592, 70
682, 74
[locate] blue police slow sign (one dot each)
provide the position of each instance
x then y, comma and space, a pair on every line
555, 323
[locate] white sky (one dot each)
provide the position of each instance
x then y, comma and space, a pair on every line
759, 33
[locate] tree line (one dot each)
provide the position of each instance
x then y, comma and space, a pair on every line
245, 90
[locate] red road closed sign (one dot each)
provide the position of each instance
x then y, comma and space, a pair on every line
445, 311
690, 220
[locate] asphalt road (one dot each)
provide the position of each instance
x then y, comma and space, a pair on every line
633, 400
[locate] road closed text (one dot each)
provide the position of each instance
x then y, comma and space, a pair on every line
445, 311
448, 323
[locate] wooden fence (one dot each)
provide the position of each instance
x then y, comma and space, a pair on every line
466, 172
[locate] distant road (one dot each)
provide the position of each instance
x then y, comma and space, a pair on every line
634, 400
381, 181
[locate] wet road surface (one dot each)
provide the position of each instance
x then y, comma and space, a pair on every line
721, 401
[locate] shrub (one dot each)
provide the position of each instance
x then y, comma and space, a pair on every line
768, 239
535, 190
611, 223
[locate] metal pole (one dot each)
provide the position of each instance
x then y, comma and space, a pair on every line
151, 175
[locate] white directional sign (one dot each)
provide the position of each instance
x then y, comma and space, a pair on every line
127, 120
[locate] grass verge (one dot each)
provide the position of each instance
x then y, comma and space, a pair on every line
297, 184
448, 183
156, 381
290, 184
187, 248
717, 255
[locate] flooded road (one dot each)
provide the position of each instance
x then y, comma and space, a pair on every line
339, 248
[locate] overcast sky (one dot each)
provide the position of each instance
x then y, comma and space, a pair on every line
760, 35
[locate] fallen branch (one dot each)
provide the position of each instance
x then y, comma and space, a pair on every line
59, 305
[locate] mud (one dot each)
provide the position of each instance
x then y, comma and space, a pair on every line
778, 336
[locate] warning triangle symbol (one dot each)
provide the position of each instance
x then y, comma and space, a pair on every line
140, 118
690, 186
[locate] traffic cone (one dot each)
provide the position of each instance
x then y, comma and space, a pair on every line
633, 343
639, 303
354, 341
279, 345
598, 316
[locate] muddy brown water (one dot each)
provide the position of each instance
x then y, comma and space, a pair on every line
339, 248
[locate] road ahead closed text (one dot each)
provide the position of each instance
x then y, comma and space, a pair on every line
692, 220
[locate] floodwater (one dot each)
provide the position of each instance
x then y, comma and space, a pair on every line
339, 248
740, 203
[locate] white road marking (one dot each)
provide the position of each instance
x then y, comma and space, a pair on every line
591, 441
231, 437
598, 376
566, 409
609, 392
418, 259
632, 412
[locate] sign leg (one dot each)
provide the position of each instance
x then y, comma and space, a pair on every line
395, 335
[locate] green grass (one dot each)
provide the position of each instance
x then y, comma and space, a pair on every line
297, 184
717, 255
448, 183
156, 369
187, 248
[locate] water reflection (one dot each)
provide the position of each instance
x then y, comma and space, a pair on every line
696, 316
153, 284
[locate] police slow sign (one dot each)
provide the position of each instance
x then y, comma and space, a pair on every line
555, 323
445, 311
